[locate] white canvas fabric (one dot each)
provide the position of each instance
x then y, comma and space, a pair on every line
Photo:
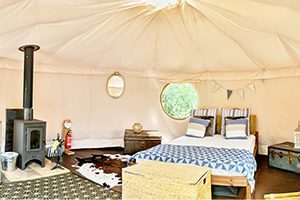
197, 39
83, 42
100, 121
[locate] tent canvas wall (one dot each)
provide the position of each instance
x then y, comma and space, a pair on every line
199, 41
100, 120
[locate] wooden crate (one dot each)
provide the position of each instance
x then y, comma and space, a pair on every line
134, 142
160, 180
284, 156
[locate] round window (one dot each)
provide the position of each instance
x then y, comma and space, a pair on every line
178, 99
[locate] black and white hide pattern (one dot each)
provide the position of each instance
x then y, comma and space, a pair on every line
105, 169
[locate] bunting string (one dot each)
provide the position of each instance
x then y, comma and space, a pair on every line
239, 91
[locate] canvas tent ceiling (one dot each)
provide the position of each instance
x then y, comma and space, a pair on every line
198, 39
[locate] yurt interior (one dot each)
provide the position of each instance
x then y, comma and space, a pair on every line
150, 99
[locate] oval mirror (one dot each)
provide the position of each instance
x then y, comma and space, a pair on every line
115, 85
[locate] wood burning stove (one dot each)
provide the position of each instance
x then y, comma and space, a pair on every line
29, 141
28, 133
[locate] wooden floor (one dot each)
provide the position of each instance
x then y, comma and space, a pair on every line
273, 180
268, 179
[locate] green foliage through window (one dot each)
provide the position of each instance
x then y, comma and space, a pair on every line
178, 99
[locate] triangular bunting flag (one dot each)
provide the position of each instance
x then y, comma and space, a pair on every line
252, 87
241, 93
229, 93
216, 87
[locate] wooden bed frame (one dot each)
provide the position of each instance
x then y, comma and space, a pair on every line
237, 181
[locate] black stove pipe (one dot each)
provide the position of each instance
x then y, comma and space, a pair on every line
28, 79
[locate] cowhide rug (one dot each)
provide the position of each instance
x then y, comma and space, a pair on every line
105, 170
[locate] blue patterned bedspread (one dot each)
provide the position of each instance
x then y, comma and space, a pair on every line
233, 160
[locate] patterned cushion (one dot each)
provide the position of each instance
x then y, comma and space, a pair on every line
235, 112
236, 128
197, 127
209, 128
207, 112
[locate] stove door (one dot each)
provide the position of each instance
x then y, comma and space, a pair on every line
34, 139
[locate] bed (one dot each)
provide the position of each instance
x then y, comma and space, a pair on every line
187, 146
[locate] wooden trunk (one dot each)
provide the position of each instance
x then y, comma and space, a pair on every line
284, 156
134, 142
160, 180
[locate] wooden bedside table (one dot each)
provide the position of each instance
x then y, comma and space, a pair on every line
284, 156
134, 142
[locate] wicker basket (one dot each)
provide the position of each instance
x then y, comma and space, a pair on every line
159, 180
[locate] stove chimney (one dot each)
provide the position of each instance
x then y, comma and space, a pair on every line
28, 79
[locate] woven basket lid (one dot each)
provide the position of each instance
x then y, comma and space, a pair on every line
180, 173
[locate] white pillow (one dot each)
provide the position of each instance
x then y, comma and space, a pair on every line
197, 127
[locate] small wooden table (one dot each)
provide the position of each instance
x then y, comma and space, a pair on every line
134, 142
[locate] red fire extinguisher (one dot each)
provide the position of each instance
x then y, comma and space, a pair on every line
68, 143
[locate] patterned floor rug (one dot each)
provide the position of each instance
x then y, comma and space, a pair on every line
105, 170
66, 186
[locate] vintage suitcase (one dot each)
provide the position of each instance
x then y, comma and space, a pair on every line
284, 156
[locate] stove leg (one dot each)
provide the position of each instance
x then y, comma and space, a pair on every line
23, 165
43, 162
